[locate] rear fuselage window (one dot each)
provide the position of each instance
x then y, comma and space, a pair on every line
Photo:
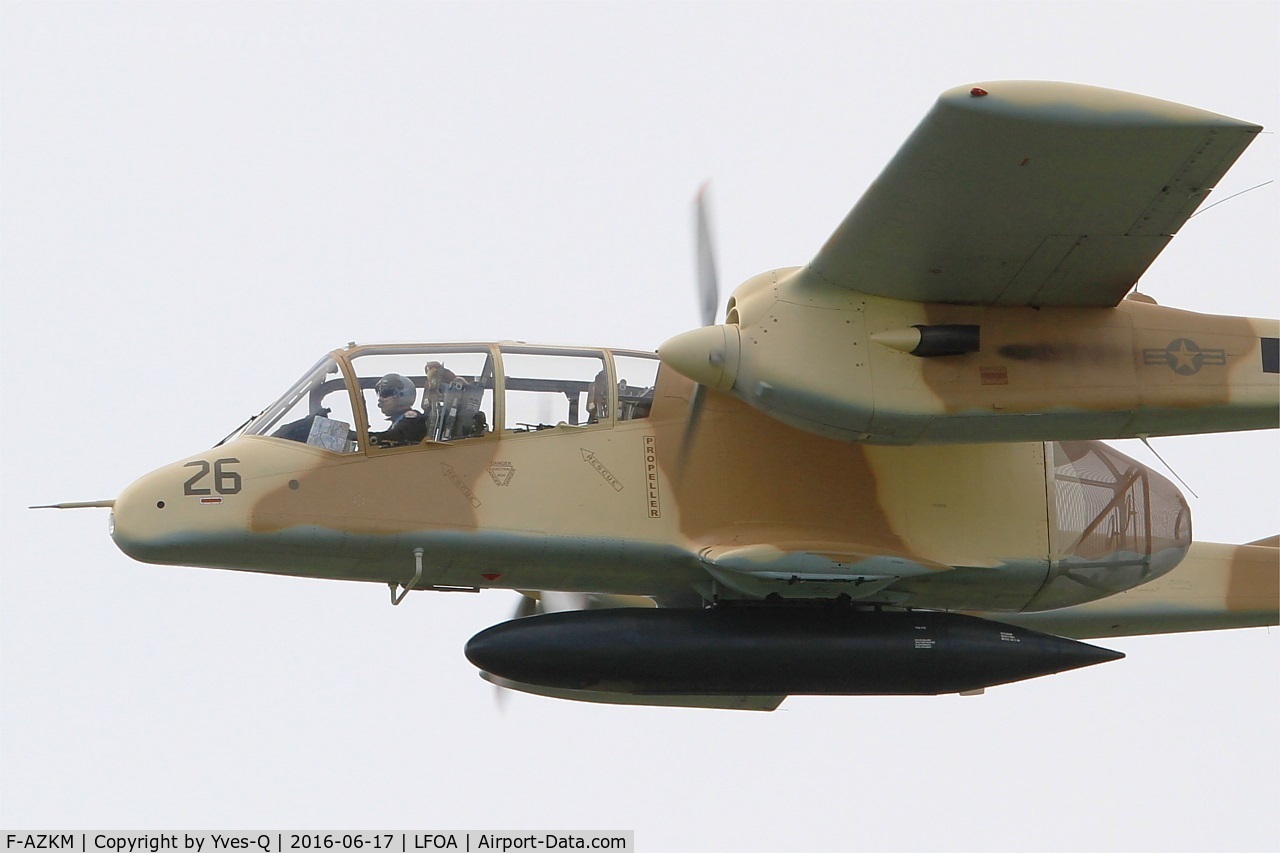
548, 389
636, 377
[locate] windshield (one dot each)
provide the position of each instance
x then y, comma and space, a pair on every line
316, 411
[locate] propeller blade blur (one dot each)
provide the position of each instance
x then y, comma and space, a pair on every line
708, 302
690, 427
708, 281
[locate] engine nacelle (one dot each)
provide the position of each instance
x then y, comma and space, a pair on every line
860, 367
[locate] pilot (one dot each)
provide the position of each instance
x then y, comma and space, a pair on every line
395, 400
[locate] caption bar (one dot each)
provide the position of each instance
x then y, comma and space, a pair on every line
295, 842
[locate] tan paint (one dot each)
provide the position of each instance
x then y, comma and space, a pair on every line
1216, 587
805, 353
1027, 210
1253, 583
1102, 359
976, 505
631, 509
573, 508
750, 479
396, 490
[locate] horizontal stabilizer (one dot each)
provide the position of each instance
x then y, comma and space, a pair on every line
1215, 587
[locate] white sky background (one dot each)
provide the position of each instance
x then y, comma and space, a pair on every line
199, 200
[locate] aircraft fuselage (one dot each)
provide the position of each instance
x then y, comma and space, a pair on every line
752, 508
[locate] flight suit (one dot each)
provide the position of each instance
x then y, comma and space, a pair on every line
408, 427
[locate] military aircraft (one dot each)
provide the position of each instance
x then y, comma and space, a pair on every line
883, 473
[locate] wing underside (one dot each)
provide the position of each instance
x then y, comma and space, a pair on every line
1031, 193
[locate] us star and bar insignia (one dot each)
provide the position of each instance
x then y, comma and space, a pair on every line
1184, 357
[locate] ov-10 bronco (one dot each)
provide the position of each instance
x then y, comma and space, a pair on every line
883, 473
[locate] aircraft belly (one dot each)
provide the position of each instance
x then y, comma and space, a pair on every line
481, 559
1007, 588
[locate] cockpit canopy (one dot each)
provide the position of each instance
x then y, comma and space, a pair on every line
346, 404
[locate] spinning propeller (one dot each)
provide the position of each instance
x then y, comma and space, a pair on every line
688, 354
708, 281
699, 354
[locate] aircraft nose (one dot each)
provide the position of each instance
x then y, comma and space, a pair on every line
161, 518
139, 519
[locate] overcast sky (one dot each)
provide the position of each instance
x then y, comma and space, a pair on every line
199, 200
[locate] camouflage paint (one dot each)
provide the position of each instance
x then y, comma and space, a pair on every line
759, 508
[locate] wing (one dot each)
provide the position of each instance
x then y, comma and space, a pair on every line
1031, 193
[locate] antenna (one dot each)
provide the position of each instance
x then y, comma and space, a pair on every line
1143, 438
1228, 198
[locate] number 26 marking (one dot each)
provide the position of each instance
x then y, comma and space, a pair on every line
225, 481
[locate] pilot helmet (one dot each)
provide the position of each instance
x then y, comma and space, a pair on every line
395, 392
